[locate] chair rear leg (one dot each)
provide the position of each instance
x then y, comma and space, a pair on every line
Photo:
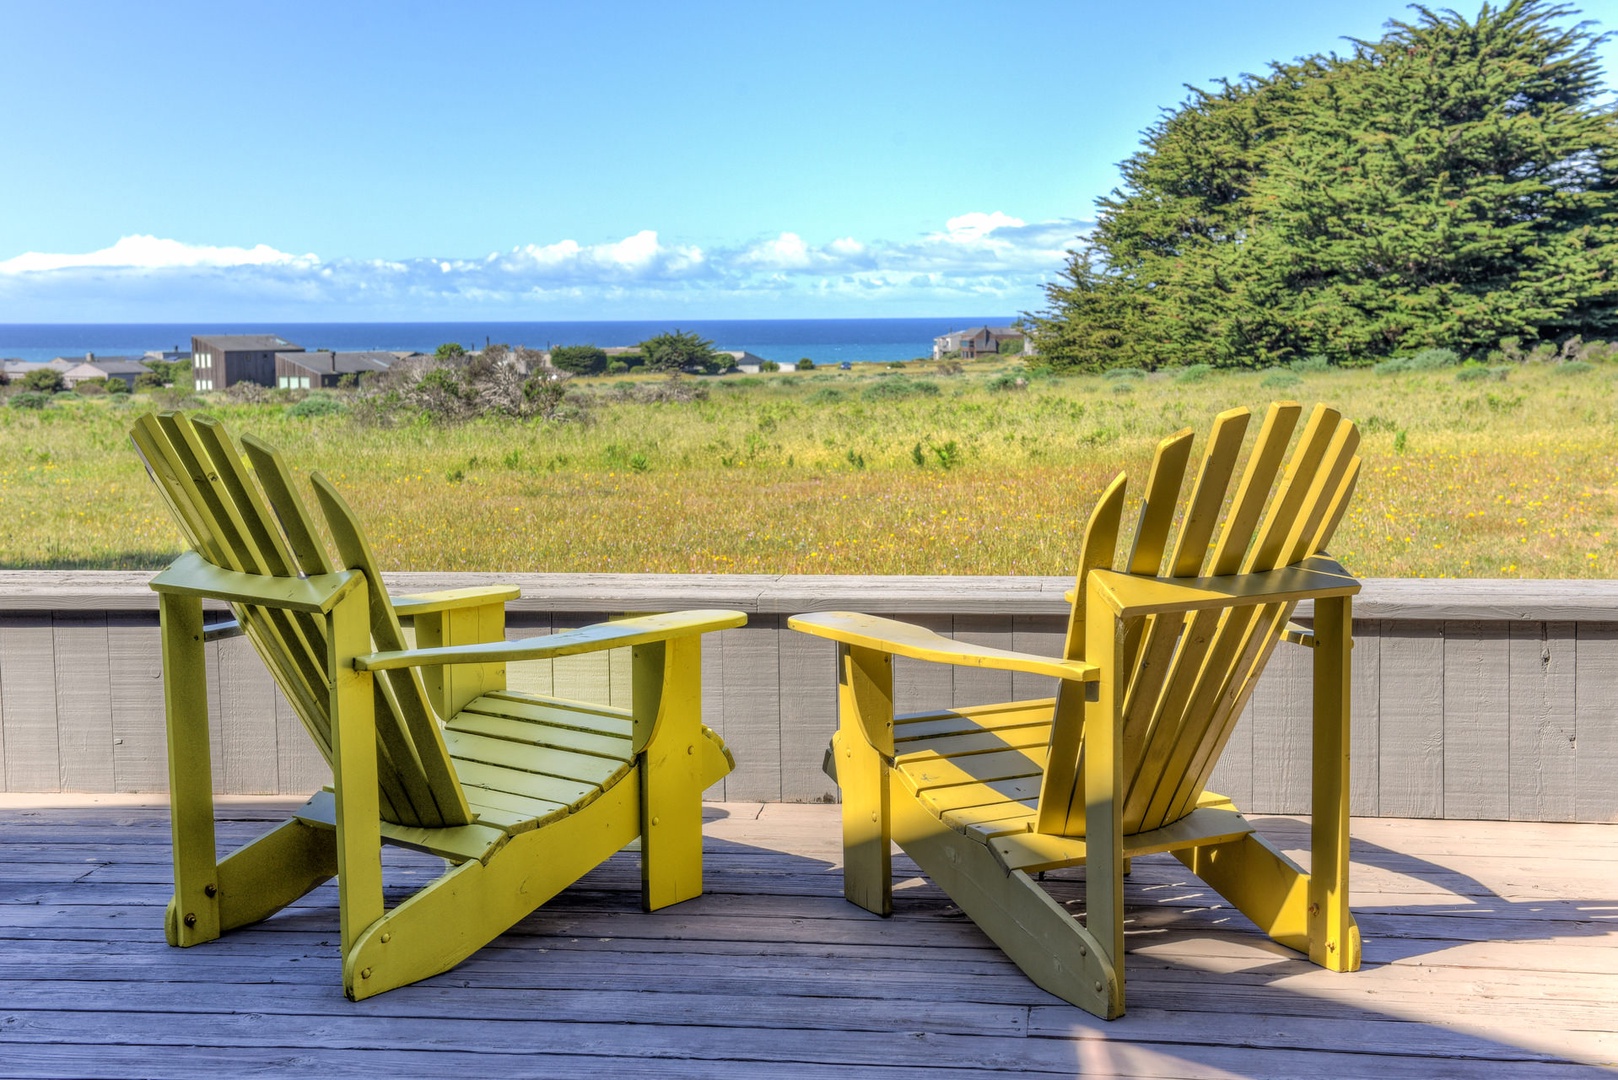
1051, 947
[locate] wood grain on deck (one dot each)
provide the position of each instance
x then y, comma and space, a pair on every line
1491, 950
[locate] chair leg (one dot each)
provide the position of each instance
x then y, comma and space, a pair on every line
273, 871
669, 674
475, 902
1051, 947
862, 774
862, 748
193, 913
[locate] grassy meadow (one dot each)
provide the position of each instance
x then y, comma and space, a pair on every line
864, 472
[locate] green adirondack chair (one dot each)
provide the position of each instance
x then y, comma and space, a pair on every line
522, 795
1160, 659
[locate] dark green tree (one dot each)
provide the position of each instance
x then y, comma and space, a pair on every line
450, 350
579, 359
1451, 184
676, 351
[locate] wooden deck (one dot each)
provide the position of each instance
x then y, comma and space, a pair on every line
1491, 949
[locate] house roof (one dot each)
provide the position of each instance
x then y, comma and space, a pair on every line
109, 365
324, 362
248, 343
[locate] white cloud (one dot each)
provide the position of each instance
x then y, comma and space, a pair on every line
152, 253
976, 226
977, 261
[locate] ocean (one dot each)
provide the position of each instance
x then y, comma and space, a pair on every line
783, 340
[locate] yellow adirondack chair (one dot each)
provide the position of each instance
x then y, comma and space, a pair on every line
521, 794
1160, 659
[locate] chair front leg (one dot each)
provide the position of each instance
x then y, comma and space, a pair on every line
1334, 937
354, 769
667, 707
863, 748
193, 914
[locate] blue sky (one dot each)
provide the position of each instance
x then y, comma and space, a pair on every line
420, 160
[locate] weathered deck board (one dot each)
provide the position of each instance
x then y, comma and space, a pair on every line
1491, 949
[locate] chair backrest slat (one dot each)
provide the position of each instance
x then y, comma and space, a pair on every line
1188, 677
263, 528
415, 718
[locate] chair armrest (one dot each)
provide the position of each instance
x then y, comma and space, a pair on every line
451, 599
1130, 595
614, 635
192, 575
905, 639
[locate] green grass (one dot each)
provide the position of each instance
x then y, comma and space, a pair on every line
822, 472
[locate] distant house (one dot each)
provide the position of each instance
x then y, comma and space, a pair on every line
312, 370
744, 361
19, 369
980, 341
124, 368
168, 356
221, 360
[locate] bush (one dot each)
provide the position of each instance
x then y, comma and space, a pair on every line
1312, 365
1194, 374
117, 386
30, 399
1123, 373
1279, 379
1473, 372
1573, 367
769, 365
617, 367
899, 388
316, 405
91, 387
44, 381
826, 395
579, 359
1007, 380
1425, 360
149, 380
806, 364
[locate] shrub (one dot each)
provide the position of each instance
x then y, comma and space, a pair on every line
1313, 365
806, 364
117, 386
44, 381
616, 367
1194, 374
1474, 372
316, 405
1123, 373
826, 395
149, 380
30, 399
580, 359
949, 367
1279, 379
898, 389
1007, 380
1572, 367
91, 387
769, 365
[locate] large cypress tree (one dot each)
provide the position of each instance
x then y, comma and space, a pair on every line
1449, 185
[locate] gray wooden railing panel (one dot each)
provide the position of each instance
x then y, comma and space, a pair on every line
1470, 699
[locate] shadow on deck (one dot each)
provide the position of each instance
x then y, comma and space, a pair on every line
1491, 949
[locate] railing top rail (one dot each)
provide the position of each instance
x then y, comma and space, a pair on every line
1485, 599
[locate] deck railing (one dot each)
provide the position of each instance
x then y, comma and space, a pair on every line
1471, 699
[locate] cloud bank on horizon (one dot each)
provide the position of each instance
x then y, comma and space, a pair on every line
981, 261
